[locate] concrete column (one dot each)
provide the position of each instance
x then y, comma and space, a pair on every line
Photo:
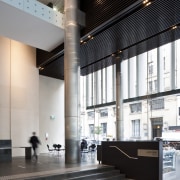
72, 78
119, 103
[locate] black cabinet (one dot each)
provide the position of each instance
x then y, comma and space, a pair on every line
5, 150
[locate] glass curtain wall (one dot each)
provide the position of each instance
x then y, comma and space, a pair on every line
151, 96
150, 84
154, 110
99, 119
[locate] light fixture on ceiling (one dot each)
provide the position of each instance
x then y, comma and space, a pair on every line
174, 27
40, 68
146, 2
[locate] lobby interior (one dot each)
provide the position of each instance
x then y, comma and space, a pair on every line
32, 68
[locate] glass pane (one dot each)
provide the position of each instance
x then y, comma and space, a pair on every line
89, 90
83, 92
110, 84
99, 87
132, 77
124, 78
152, 71
136, 128
165, 63
142, 74
104, 90
177, 60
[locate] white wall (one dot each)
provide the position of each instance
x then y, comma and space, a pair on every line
51, 111
19, 93
27, 100
5, 112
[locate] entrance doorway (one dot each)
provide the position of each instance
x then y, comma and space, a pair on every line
157, 124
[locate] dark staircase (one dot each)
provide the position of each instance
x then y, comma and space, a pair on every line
101, 173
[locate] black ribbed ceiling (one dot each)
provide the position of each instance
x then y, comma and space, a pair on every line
100, 11
139, 26
138, 31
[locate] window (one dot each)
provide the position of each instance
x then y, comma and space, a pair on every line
165, 67
142, 71
124, 70
104, 128
164, 62
91, 115
150, 86
99, 85
150, 68
90, 89
132, 79
136, 128
155, 85
91, 129
103, 113
157, 104
136, 107
110, 83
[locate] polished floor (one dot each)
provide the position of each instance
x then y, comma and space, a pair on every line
47, 164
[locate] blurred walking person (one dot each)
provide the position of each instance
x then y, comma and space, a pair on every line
34, 140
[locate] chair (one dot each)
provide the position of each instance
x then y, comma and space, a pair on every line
84, 149
50, 150
92, 147
55, 146
58, 147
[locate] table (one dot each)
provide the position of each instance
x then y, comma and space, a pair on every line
28, 151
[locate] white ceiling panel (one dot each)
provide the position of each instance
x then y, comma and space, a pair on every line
28, 29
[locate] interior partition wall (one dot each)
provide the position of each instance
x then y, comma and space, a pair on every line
19, 102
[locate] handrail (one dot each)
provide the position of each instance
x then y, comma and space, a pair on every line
130, 157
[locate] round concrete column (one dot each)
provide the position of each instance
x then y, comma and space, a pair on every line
72, 76
119, 104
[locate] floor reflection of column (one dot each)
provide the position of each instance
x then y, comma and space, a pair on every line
88, 156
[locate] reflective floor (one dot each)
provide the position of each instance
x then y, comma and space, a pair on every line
47, 164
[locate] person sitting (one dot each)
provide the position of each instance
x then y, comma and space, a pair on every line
83, 144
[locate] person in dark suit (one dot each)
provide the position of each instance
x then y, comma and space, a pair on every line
34, 140
83, 144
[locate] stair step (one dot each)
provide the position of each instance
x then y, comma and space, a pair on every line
115, 177
89, 172
99, 175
